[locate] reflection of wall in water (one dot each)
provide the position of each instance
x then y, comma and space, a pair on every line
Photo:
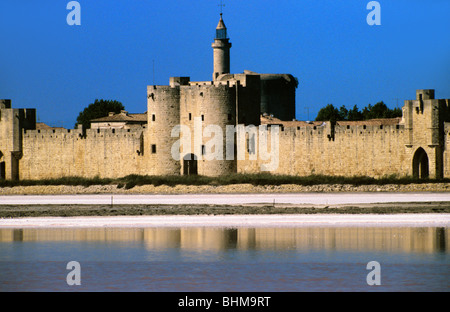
385, 239
80, 234
188, 238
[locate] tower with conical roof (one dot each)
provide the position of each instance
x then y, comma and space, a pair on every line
221, 46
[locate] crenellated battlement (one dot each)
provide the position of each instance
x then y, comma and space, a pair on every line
58, 133
223, 82
193, 86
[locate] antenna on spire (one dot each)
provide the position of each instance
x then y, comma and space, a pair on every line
153, 72
221, 5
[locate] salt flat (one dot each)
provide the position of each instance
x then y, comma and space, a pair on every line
318, 220
273, 220
225, 199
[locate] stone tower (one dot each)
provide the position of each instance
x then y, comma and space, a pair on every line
425, 120
12, 122
221, 48
163, 111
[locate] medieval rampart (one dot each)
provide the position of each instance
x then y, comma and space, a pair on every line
350, 150
99, 153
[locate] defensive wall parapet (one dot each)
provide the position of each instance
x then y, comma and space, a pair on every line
54, 153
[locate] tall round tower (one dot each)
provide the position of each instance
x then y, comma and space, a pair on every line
163, 110
221, 48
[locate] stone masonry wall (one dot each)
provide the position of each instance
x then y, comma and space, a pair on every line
344, 149
61, 152
355, 150
11, 123
212, 104
163, 115
446, 150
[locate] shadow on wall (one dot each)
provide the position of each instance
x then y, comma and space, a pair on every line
2, 167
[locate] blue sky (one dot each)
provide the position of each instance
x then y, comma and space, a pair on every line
328, 45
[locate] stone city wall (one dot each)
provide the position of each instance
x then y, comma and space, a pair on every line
354, 150
100, 153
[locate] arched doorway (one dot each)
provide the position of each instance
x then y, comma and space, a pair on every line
420, 164
190, 164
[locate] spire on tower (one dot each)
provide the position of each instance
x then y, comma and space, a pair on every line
221, 48
221, 30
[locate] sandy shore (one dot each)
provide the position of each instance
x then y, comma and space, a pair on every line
225, 189
318, 220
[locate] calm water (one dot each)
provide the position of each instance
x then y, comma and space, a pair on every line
220, 259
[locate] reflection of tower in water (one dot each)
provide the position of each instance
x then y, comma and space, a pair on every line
191, 238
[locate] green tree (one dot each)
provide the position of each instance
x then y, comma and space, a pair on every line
98, 109
354, 114
343, 113
328, 113
366, 112
379, 110
396, 112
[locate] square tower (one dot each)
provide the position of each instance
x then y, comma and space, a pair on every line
424, 120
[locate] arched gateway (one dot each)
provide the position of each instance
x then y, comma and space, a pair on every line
420, 164
190, 164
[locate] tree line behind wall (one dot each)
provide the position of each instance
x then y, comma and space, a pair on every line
98, 109
379, 110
